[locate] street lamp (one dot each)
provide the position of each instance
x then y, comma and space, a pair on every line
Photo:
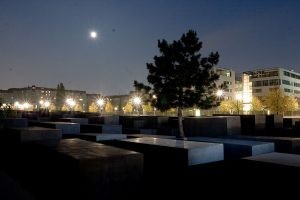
100, 103
219, 94
71, 103
238, 98
137, 102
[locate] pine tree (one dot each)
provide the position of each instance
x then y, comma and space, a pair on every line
180, 78
60, 96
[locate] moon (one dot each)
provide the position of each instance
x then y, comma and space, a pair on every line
93, 34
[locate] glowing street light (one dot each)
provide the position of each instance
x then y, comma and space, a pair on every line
46, 104
100, 103
71, 103
137, 102
219, 94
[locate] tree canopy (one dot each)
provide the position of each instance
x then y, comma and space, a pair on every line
60, 96
180, 77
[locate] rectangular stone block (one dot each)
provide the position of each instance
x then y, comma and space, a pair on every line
178, 154
14, 122
30, 134
235, 148
212, 126
66, 127
74, 120
275, 158
111, 120
114, 129
98, 137
150, 135
282, 144
104, 172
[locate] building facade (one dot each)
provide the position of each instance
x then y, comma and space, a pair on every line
226, 76
265, 80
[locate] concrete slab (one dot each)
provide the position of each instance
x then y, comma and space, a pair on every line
150, 135
101, 128
282, 144
202, 126
30, 134
75, 120
277, 159
235, 148
175, 153
14, 122
66, 127
97, 137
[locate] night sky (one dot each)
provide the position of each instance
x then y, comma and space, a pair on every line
45, 42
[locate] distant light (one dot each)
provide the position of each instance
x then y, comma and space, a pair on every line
47, 104
197, 113
100, 102
219, 93
137, 100
93, 34
238, 97
71, 102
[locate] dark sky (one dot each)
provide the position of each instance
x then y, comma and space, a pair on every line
44, 42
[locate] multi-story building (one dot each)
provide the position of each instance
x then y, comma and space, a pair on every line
265, 80
226, 76
34, 95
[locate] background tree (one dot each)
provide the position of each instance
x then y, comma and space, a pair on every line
231, 106
128, 108
93, 107
291, 104
256, 105
147, 108
60, 96
180, 78
109, 108
279, 103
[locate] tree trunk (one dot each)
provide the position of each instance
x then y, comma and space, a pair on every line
180, 124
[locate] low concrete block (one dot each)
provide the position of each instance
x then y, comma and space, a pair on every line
148, 131
173, 154
282, 144
14, 122
75, 120
111, 120
275, 158
66, 127
235, 148
31, 134
98, 137
150, 135
212, 126
97, 171
115, 129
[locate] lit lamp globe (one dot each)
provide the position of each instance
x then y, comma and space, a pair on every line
93, 34
100, 103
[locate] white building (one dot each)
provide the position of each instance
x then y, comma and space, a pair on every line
265, 80
227, 76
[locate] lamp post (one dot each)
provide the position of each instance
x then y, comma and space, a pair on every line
100, 103
137, 102
219, 94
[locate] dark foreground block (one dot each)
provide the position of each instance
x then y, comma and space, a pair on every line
79, 169
282, 144
14, 122
235, 148
212, 126
31, 134
98, 137
74, 120
168, 154
10, 189
101, 128
66, 127
150, 135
